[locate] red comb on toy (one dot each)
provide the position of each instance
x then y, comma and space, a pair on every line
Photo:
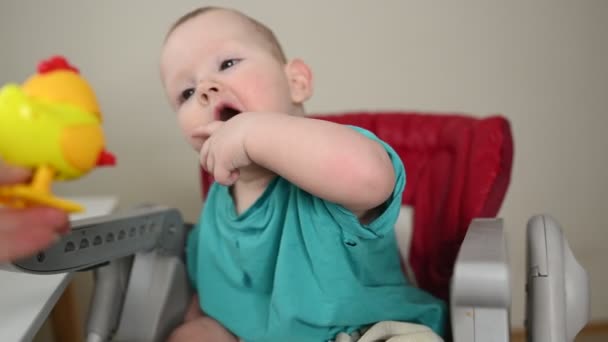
56, 63
106, 159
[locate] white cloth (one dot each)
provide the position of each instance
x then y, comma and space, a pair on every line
391, 331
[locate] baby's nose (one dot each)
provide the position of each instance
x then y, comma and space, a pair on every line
206, 91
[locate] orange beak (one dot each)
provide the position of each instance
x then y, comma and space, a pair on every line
106, 159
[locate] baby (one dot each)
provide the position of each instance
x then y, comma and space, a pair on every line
295, 241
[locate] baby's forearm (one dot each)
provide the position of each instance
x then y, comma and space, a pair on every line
328, 160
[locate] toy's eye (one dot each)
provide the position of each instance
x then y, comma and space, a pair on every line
229, 63
186, 94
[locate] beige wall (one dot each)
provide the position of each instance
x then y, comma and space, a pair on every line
542, 64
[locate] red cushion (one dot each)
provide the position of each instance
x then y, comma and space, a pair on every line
457, 168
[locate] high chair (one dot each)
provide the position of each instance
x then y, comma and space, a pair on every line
458, 170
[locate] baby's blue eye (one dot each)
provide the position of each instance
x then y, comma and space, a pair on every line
185, 95
229, 63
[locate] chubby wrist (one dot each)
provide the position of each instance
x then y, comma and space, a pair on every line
252, 135
262, 134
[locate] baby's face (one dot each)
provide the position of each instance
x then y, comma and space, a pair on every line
215, 66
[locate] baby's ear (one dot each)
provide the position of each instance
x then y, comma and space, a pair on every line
299, 77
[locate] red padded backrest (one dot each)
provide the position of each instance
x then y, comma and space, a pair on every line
457, 168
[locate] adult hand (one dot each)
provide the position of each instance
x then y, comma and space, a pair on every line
26, 231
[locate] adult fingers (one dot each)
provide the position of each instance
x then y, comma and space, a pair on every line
11, 174
26, 231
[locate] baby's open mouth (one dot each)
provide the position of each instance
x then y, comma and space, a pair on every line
227, 112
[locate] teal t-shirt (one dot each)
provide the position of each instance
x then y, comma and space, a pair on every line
294, 267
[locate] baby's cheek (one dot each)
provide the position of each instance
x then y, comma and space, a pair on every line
271, 97
268, 93
187, 124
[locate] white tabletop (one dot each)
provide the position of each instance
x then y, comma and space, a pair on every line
27, 299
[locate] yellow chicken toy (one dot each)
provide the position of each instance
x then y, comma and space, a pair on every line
51, 124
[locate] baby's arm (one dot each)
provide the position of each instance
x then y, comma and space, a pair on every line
328, 160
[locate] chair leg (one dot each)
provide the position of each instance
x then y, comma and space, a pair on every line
64, 317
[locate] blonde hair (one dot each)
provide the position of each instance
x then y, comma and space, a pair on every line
265, 33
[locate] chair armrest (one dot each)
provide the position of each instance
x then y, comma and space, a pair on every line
139, 271
557, 286
480, 297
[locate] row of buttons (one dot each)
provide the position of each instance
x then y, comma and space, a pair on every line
70, 246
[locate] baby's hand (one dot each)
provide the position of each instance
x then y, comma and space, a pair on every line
223, 152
